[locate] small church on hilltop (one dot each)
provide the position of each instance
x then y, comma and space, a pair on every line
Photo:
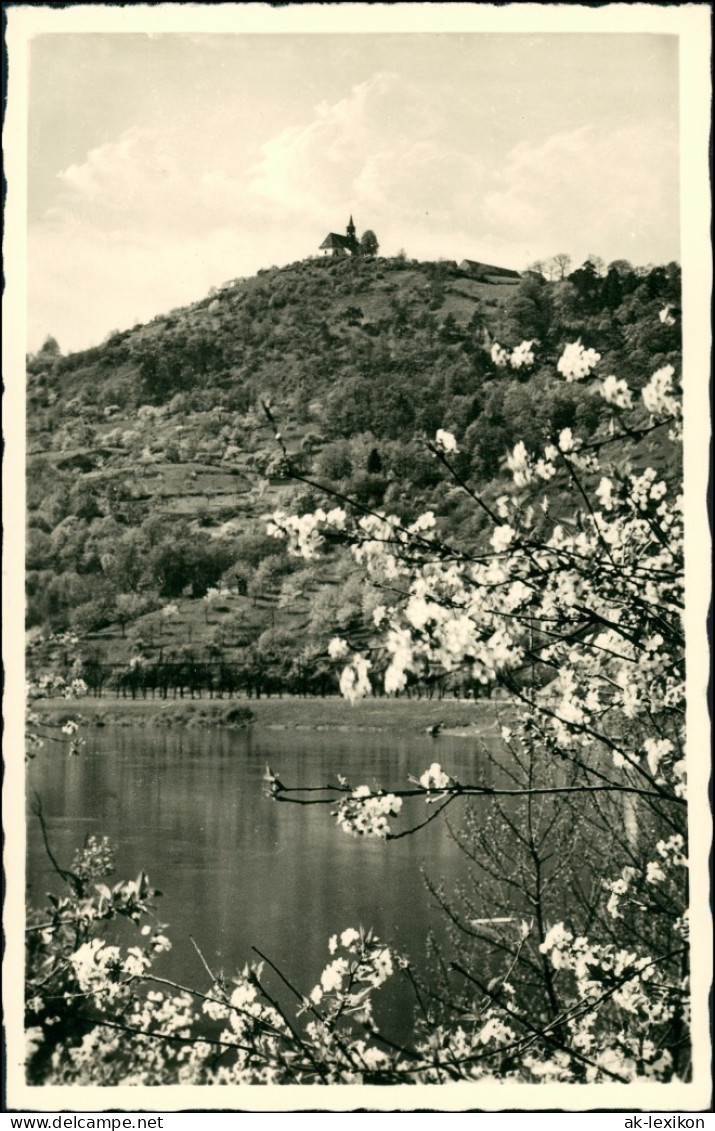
334, 244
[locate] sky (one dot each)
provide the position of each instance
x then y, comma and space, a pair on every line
160, 165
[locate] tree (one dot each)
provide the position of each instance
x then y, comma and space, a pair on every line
374, 462
598, 264
557, 605
559, 265
622, 266
530, 311
368, 243
589, 285
177, 564
612, 291
50, 346
334, 460
268, 576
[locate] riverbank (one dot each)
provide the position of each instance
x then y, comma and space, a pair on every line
449, 716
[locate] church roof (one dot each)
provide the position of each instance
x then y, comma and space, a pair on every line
334, 240
474, 266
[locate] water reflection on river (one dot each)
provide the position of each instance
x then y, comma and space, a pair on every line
238, 870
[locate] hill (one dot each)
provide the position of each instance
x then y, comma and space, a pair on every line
152, 465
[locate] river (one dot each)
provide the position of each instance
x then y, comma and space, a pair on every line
237, 869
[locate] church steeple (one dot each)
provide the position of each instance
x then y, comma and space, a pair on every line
351, 232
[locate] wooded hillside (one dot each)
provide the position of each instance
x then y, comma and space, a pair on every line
152, 466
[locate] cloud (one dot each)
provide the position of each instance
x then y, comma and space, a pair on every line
143, 181
107, 170
196, 171
382, 151
610, 190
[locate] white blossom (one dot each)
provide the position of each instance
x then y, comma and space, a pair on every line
332, 976
654, 873
502, 537
446, 441
658, 393
336, 518
499, 355
673, 849
337, 648
136, 963
435, 778
301, 532
522, 356
354, 679
615, 391
366, 814
604, 493
518, 463
378, 615
576, 362
423, 523
545, 469
566, 440
556, 937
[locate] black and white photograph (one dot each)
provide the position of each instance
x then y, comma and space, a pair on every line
356, 539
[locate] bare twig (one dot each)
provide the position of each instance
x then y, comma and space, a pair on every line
205, 964
69, 877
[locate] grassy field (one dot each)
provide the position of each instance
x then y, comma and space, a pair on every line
316, 714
